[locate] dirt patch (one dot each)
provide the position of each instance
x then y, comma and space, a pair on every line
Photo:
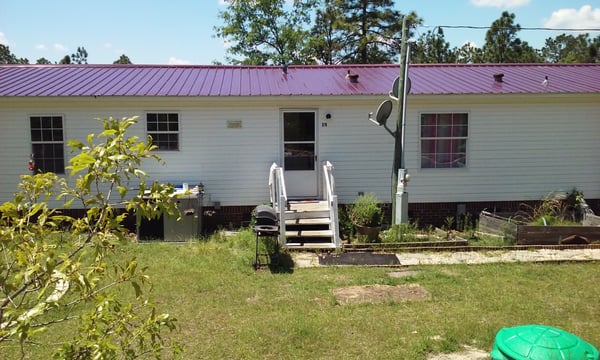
469, 353
403, 274
380, 293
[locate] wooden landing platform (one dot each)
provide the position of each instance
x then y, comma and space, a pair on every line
307, 205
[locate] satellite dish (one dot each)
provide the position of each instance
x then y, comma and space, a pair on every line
383, 112
394, 92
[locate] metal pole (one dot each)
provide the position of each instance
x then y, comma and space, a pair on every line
401, 194
399, 134
403, 109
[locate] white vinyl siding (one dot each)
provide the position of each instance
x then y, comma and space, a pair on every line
519, 152
519, 148
361, 152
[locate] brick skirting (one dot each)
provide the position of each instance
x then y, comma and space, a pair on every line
424, 214
435, 214
227, 217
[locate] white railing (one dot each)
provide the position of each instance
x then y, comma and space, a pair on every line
278, 195
332, 201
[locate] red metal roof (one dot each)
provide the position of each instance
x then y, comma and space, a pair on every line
162, 80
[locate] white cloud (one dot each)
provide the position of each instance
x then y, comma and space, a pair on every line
3, 39
107, 45
471, 44
585, 17
175, 61
500, 3
40, 47
229, 2
59, 47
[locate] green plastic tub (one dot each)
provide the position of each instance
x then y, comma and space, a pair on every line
540, 342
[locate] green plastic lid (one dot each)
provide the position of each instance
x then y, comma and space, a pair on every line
539, 342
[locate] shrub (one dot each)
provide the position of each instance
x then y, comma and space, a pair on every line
345, 223
408, 232
553, 210
366, 211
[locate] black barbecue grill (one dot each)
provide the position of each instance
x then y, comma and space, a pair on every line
267, 226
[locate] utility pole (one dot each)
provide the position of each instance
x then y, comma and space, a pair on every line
399, 176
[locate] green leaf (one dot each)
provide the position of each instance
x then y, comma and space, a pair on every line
108, 132
122, 191
118, 157
81, 162
137, 288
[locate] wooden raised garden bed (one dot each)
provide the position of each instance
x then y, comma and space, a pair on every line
555, 235
504, 225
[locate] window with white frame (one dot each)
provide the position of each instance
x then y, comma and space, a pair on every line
47, 144
163, 127
444, 140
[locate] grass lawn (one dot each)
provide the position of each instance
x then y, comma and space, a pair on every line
226, 310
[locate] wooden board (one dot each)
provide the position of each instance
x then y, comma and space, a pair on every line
552, 235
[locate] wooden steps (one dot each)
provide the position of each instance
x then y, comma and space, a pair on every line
308, 221
308, 225
300, 246
308, 233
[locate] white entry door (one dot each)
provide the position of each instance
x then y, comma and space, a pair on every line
300, 153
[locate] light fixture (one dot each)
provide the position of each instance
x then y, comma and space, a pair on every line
406, 178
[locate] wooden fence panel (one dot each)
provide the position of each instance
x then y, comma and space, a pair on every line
497, 224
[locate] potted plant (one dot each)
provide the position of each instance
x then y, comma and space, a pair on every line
366, 215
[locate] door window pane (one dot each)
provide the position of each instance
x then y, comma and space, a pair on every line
299, 157
299, 140
299, 126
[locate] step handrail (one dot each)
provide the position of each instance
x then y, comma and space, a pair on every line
332, 201
278, 197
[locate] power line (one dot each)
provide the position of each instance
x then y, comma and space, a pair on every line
522, 28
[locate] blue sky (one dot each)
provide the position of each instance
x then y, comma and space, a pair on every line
181, 31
